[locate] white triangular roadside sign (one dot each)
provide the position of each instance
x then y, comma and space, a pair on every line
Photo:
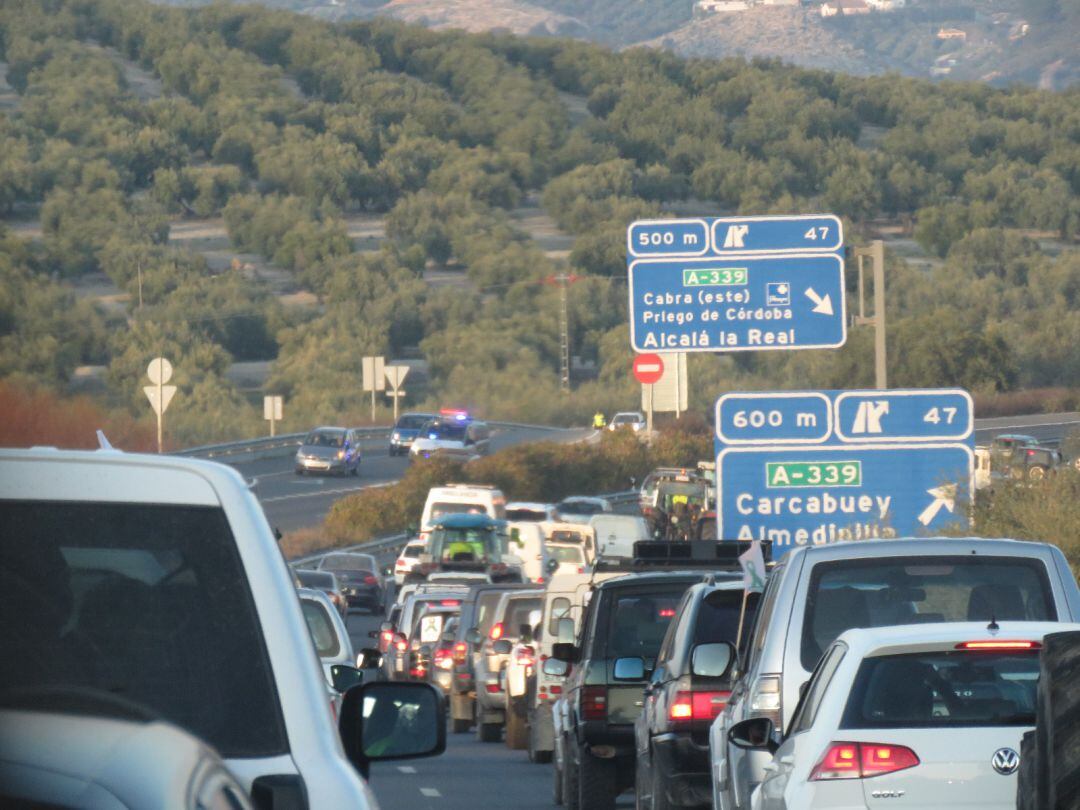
167, 392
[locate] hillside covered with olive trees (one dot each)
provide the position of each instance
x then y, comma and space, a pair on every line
234, 185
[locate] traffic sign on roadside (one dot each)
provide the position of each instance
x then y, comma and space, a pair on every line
736, 284
814, 467
648, 368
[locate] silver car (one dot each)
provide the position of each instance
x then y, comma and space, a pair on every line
816, 593
331, 451
81, 760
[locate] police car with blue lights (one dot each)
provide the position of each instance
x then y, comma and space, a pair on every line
452, 433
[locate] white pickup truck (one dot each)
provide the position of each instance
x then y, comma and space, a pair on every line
134, 583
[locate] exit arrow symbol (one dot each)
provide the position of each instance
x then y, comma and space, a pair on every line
822, 304
943, 497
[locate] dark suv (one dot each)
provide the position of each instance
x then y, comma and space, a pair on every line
621, 634
689, 687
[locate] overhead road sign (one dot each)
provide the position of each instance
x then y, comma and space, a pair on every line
736, 284
815, 467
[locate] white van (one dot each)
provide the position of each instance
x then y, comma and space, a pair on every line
579, 533
481, 499
616, 534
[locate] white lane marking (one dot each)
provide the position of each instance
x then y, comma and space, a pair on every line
406, 768
319, 492
431, 793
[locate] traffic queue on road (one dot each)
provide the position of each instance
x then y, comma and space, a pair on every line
697, 673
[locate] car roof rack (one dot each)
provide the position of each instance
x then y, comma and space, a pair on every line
663, 554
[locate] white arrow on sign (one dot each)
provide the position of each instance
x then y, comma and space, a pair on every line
943, 496
822, 304
159, 406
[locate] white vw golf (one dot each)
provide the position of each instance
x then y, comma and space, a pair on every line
929, 714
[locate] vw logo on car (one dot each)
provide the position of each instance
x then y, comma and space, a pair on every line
1005, 761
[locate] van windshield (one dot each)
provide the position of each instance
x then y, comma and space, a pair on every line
143, 603
890, 591
440, 509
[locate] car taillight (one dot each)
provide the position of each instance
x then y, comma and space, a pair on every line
697, 705
861, 760
450, 602
581, 569
418, 672
461, 651
492, 688
594, 702
555, 689
444, 659
524, 655
496, 631
370, 580
385, 637
401, 645
766, 698
999, 645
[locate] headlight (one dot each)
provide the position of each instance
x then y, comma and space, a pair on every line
395, 436
340, 454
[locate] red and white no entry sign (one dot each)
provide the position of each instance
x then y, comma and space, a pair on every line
648, 368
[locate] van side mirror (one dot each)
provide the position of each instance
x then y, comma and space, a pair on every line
369, 658
502, 646
562, 651
386, 720
755, 734
344, 677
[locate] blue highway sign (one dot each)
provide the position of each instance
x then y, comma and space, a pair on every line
750, 303
801, 468
736, 284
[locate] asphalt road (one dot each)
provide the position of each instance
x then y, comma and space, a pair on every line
293, 502
470, 775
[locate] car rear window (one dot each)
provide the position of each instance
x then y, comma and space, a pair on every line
638, 622
316, 579
321, 629
526, 515
413, 551
717, 618
566, 554
325, 438
517, 614
891, 591
147, 603
580, 508
946, 689
485, 610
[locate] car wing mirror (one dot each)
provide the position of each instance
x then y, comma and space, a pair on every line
714, 660
474, 637
501, 647
629, 669
755, 734
385, 720
556, 668
344, 677
369, 658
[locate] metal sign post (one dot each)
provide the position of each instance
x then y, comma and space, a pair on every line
736, 284
815, 467
374, 378
648, 369
160, 395
395, 376
273, 411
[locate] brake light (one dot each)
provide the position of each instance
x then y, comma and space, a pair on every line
461, 650
496, 631
370, 580
697, 705
581, 569
450, 602
666, 613
539, 580
999, 645
846, 760
594, 702
555, 689
417, 672
444, 659
492, 688
401, 645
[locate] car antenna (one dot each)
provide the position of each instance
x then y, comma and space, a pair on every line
993, 626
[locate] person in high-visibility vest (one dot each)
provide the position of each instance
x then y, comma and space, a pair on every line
598, 421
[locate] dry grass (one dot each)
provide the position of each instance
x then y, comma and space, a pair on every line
304, 541
40, 417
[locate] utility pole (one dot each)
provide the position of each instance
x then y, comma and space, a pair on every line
564, 333
876, 254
